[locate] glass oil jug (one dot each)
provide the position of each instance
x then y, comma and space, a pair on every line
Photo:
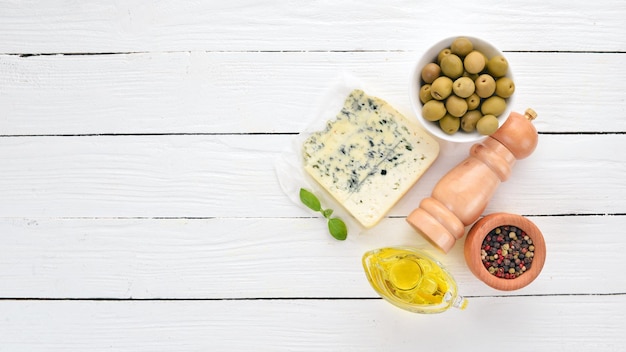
411, 280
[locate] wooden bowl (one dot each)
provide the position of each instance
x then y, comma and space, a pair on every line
474, 241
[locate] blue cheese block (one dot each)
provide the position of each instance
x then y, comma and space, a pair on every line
369, 156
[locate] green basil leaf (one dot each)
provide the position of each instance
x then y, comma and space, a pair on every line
310, 200
337, 228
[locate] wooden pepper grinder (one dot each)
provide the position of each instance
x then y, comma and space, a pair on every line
461, 196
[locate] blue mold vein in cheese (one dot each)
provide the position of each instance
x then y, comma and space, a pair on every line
369, 156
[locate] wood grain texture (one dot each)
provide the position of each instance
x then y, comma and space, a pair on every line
265, 258
310, 325
73, 26
230, 176
139, 207
207, 92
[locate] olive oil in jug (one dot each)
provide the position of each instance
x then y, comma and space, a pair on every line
411, 280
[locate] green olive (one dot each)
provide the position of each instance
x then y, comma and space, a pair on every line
430, 72
473, 101
505, 87
487, 125
441, 88
463, 87
469, 120
497, 66
493, 106
474, 62
456, 106
485, 86
449, 124
433, 110
452, 66
424, 93
443, 53
461, 46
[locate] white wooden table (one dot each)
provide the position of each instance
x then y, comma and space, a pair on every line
140, 210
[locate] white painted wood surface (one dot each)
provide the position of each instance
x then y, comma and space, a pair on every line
140, 210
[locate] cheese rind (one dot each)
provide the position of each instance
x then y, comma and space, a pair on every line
369, 156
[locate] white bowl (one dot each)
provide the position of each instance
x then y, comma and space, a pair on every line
416, 81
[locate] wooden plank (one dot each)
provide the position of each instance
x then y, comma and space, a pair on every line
127, 171
211, 92
234, 176
77, 26
572, 323
265, 258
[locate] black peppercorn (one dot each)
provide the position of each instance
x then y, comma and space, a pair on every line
500, 258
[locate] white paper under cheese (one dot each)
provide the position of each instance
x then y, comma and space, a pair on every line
369, 156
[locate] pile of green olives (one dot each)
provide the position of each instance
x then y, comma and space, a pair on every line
464, 89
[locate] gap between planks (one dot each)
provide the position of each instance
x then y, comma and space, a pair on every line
173, 299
